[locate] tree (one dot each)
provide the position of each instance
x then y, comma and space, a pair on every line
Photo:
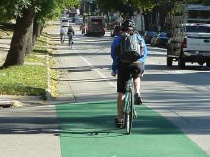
25, 11
123, 6
16, 54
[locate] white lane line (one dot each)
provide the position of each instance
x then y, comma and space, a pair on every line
102, 75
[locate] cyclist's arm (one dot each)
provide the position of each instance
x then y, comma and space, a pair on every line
143, 59
114, 56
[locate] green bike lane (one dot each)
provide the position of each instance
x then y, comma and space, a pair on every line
87, 130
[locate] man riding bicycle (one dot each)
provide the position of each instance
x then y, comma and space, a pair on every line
70, 35
121, 68
63, 33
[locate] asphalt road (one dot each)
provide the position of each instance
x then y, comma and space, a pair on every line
181, 96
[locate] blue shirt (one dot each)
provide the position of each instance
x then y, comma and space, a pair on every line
114, 56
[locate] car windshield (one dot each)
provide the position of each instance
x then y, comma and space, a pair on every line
96, 21
72, 14
163, 35
64, 20
198, 29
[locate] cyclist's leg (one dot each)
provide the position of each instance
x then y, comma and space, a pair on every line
64, 36
70, 39
61, 36
137, 84
137, 81
120, 101
122, 78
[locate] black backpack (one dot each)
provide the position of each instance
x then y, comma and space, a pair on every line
129, 49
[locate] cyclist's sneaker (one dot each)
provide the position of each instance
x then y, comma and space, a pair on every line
118, 124
138, 100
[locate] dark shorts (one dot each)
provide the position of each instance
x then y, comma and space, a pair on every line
137, 70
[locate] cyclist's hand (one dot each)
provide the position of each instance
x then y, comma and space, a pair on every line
113, 73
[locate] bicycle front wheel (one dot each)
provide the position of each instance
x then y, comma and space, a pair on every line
129, 111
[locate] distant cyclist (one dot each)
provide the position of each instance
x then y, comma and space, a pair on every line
63, 33
70, 35
121, 67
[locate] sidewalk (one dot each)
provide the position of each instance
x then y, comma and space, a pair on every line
30, 130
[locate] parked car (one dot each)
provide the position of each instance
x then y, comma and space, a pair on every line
148, 36
161, 40
115, 31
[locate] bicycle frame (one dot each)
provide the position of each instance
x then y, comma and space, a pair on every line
128, 87
128, 110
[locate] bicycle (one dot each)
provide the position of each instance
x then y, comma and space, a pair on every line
129, 112
70, 39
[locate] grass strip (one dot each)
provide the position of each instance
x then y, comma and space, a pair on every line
23, 80
31, 78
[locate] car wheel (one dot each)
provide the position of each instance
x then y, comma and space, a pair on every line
169, 61
181, 62
208, 63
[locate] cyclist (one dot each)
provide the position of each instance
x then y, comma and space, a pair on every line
122, 70
63, 32
70, 35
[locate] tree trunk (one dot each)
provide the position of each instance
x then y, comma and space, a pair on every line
16, 53
40, 28
35, 30
29, 46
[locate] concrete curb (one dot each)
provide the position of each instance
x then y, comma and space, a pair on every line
48, 94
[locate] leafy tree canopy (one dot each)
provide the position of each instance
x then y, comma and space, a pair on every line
147, 5
10, 9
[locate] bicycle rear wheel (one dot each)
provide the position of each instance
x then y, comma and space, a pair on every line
129, 114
